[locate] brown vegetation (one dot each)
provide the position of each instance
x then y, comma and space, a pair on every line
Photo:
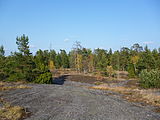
9, 86
8, 112
133, 94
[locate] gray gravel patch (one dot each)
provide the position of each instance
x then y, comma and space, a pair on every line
74, 101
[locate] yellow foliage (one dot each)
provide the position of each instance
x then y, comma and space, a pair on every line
79, 62
110, 70
134, 59
51, 65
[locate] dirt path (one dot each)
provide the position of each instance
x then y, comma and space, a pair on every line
74, 101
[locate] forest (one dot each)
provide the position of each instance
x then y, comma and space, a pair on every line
140, 63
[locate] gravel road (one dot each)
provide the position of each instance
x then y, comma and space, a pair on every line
74, 101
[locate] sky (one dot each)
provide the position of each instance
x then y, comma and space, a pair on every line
57, 24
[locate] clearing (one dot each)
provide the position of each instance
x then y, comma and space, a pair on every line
70, 99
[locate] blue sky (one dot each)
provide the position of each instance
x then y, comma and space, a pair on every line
95, 23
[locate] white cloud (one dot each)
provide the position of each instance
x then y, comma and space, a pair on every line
71, 37
66, 39
148, 42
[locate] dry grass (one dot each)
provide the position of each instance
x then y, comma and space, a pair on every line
133, 94
145, 96
8, 112
9, 86
2, 88
2, 83
111, 88
22, 86
98, 83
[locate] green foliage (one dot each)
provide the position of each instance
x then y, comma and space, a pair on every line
131, 71
41, 60
3, 75
136, 48
2, 51
23, 65
22, 43
115, 60
58, 61
18, 67
147, 60
72, 57
64, 59
16, 77
150, 79
44, 78
124, 58
101, 59
52, 55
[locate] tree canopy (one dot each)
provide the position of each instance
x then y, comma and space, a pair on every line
23, 65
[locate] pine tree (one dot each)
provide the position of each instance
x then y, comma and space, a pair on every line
131, 71
64, 59
2, 51
22, 43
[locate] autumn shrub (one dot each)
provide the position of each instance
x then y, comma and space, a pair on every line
110, 71
150, 79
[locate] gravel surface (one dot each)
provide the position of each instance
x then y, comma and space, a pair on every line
74, 101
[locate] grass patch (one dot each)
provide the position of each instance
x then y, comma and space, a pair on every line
2, 83
133, 94
8, 112
9, 86
98, 83
13, 87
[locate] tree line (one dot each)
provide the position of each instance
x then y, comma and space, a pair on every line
23, 65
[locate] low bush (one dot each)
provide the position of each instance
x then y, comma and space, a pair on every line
44, 78
16, 77
150, 79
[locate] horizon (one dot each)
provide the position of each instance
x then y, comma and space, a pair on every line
96, 24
